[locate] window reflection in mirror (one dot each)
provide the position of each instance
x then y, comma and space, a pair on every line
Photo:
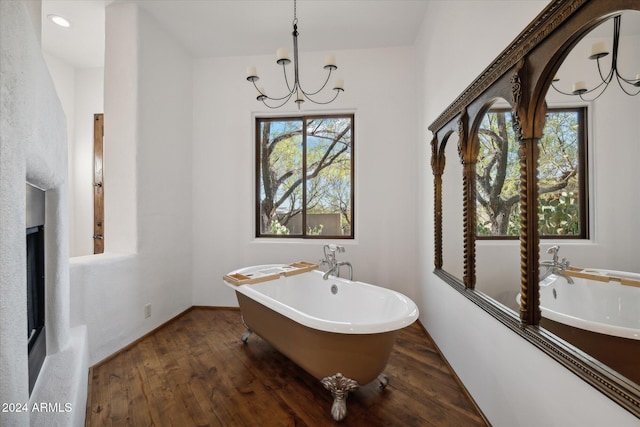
452, 217
497, 207
608, 308
497, 177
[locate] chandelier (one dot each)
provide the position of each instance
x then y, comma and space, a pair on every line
295, 90
599, 50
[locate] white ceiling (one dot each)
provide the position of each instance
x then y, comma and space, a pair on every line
214, 28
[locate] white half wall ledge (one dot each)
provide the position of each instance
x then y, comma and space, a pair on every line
53, 402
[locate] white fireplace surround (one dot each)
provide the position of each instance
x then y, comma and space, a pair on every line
33, 148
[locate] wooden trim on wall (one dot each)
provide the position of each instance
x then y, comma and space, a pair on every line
98, 184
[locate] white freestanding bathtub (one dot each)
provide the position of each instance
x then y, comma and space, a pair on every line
340, 331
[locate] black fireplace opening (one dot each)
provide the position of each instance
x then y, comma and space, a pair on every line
35, 302
37, 342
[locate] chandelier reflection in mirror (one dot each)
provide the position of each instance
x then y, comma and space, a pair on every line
296, 88
598, 51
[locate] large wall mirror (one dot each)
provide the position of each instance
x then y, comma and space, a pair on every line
546, 180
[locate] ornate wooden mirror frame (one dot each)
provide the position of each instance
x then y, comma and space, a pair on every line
522, 74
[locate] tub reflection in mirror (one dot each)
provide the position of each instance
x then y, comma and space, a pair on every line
598, 312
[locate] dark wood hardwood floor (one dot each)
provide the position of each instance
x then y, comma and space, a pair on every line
195, 371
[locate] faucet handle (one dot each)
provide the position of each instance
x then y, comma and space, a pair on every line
554, 250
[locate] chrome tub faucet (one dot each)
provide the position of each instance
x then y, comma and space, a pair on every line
554, 266
333, 265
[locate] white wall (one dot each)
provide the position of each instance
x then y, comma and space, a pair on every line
81, 93
89, 100
64, 77
514, 383
383, 99
148, 133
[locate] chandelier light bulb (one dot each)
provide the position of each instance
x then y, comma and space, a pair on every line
330, 62
599, 50
283, 56
252, 74
579, 87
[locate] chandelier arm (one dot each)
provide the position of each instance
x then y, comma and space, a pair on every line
604, 83
622, 79
632, 82
612, 71
288, 97
594, 98
323, 103
560, 91
321, 88
286, 80
271, 97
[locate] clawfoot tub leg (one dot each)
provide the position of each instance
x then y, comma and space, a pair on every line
246, 335
383, 380
339, 386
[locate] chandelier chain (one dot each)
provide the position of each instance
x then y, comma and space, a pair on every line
295, 13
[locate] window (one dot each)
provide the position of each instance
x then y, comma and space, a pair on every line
304, 177
562, 176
